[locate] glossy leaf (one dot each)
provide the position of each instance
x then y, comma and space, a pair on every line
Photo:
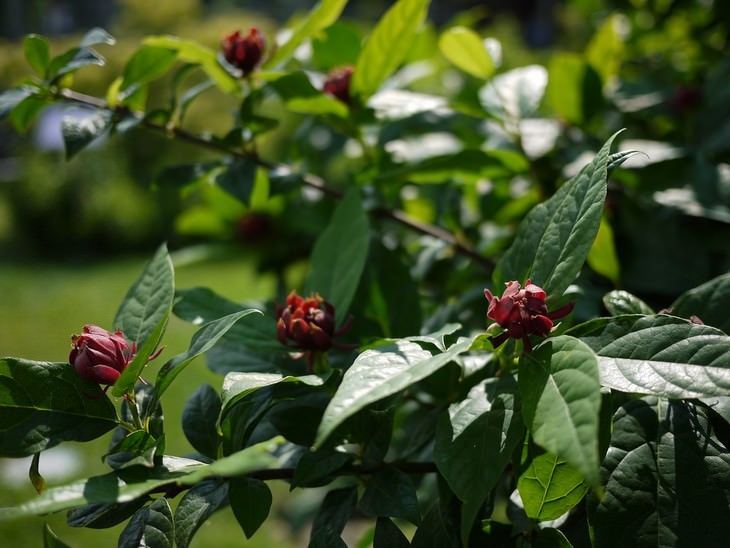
516, 94
710, 302
387, 46
251, 502
45, 403
338, 257
552, 242
331, 518
72, 60
550, 487
661, 355
465, 49
80, 131
196, 506
151, 527
199, 420
666, 478
204, 339
320, 17
37, 52
475, 441
391, 493
11, 98
379, 373
561, 400
103, 515
619, 302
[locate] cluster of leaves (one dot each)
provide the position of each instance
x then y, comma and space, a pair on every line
613, 429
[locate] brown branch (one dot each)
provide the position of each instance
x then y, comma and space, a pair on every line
308, 179
416, 468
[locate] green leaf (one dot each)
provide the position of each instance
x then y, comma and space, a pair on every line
131, 373
44, 403
554, 239
196, 507
147, 63
339, 255
666, 476
661, 355
103, 515
37, 52
551, 538
137, 448
95, 37
251, 502
238, 179
72, 60
149, 300
80, 130
550, 487
561, 400
332, 517
315, 468
189, 51
388, 535
199, 420
204, 339
13, 97
388, 46
151, 527
602, 257
379, 373
391, 493
465, 49
709, 301
51, 539
605, 51
25, 112
574, 88
475, 441
620, 302
515, 95
320, 17
299, 95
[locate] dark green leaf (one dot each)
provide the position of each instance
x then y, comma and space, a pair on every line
551, 538
71, 61
661, 355
137, 448
388, 535
332, 517
250, 501
51, 539
204, 339
238, 179
387, 46
391, 493
319, 17
667, 481
464, 47
104, 515
37, 52
475, 441
183, 175
81, 130
300, 95
550, 487
151, 527
338, 257
199, 420
196, 506
554, 239
45, 403
710, 302
131, 373
145, 65
25, 112
379, 373
561, 400
619, 302
316, 468
436, 529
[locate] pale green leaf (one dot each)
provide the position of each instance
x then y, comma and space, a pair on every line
465, 49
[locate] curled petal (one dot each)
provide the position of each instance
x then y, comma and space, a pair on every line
541, 325
281, 331
321, 339
561, 312
104, 374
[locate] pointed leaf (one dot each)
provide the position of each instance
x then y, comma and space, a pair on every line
661, 355
388, 535
80, 131
709, 301
238, 179
199, 420
315, 468
553, 241
251, 502
561, 400
147, 63
338, 257
387, 46
44, 403
196, 506
151, 527
550, 487
620, 302
391, 493
37, 52
51, 539
465, 49
379, 373
331, 518
96, 36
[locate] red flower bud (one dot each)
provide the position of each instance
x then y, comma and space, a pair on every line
338, 83
307, 324
244, 52
522, 312
100, 356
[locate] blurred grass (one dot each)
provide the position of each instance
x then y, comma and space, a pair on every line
43, 304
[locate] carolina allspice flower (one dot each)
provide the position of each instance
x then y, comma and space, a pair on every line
337, 83
522, 312
244, 52
100, 356
308, 323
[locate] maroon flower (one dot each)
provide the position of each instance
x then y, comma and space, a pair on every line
522, 312
338, 83
100, 356
244, 52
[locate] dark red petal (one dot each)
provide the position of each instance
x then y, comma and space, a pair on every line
104, 374
561, 312
501, 311
281, 331
488, 295
321, 339
541, 325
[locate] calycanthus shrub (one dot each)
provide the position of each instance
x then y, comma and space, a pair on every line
386, 378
